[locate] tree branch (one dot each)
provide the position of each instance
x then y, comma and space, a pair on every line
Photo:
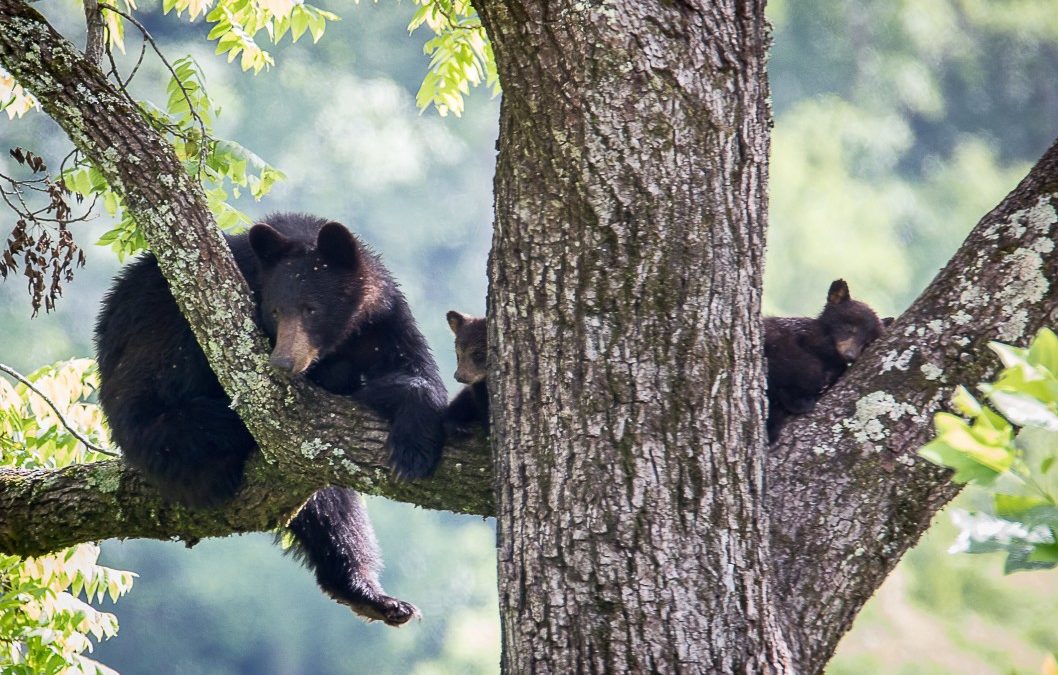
848, 494
337, 444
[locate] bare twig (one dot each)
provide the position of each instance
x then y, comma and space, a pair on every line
203, 145
62, 418
93, 50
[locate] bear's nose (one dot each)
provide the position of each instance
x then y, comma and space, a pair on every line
459, 378
283, 362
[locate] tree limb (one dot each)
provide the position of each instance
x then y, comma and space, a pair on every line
848, 494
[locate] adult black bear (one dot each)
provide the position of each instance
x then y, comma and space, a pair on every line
471, 405
333, 314
804, 356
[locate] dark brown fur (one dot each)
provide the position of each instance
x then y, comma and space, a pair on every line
805, 356
471, 406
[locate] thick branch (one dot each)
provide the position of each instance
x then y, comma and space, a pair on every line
338, 444
848, 494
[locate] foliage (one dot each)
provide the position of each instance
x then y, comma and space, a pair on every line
222, 166
44, 624
1009, 448
14, 100
460, 54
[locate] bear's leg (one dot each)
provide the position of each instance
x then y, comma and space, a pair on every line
462, 413
335, 539
415, 406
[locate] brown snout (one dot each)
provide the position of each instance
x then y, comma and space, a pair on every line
294, 352
849, 349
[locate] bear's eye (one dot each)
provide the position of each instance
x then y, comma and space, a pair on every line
275, 312
309, 309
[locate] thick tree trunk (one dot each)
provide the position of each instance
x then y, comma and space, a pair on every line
625, 337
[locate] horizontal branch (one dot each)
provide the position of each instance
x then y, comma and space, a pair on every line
47, 509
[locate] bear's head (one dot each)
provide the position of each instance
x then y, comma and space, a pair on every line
312, 294
470, 347
851, 324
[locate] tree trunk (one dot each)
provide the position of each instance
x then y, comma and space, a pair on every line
625, 361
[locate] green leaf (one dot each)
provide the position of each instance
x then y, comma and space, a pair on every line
1044, 350
1024, 410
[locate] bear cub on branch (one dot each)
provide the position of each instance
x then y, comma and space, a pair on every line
805, 356
471, 405
334, 315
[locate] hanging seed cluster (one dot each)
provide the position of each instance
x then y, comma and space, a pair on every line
40, 243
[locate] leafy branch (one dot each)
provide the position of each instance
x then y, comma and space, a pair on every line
1009, 449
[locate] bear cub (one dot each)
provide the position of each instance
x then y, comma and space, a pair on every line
805, 356
334, 315
471, 405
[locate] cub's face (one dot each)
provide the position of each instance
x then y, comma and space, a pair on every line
470, 347
308, 294
851, 324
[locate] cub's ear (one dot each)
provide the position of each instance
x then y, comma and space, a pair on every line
337, 245
456, 320
888, 321
838, 293
268, 245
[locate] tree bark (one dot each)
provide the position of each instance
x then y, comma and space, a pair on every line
625, 368
625, 337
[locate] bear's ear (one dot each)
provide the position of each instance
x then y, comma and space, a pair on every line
838, 293
268, 245
888, 321
456, 320
337, 245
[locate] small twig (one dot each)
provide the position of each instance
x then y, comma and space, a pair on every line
165, 62
76, 434
93, 50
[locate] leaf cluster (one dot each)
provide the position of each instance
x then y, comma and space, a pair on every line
223, 167
44, 622
237, 23
1008, 446
460, 54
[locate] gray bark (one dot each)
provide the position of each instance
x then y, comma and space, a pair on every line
625, 337
848, 495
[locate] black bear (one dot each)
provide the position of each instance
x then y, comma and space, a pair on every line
471, 405
804, 356
333, 314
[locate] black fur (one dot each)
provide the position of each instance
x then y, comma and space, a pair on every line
805, 356
173, 421
470, 407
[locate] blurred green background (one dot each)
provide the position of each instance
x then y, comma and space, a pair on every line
898, 125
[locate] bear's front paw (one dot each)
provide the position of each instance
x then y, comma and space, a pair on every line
391, 611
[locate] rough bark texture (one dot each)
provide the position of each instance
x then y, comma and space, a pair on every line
625, 337
624, 370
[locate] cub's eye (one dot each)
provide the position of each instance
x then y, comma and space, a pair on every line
275, 313
309, 310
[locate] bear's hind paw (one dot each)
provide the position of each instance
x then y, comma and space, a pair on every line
391, 611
